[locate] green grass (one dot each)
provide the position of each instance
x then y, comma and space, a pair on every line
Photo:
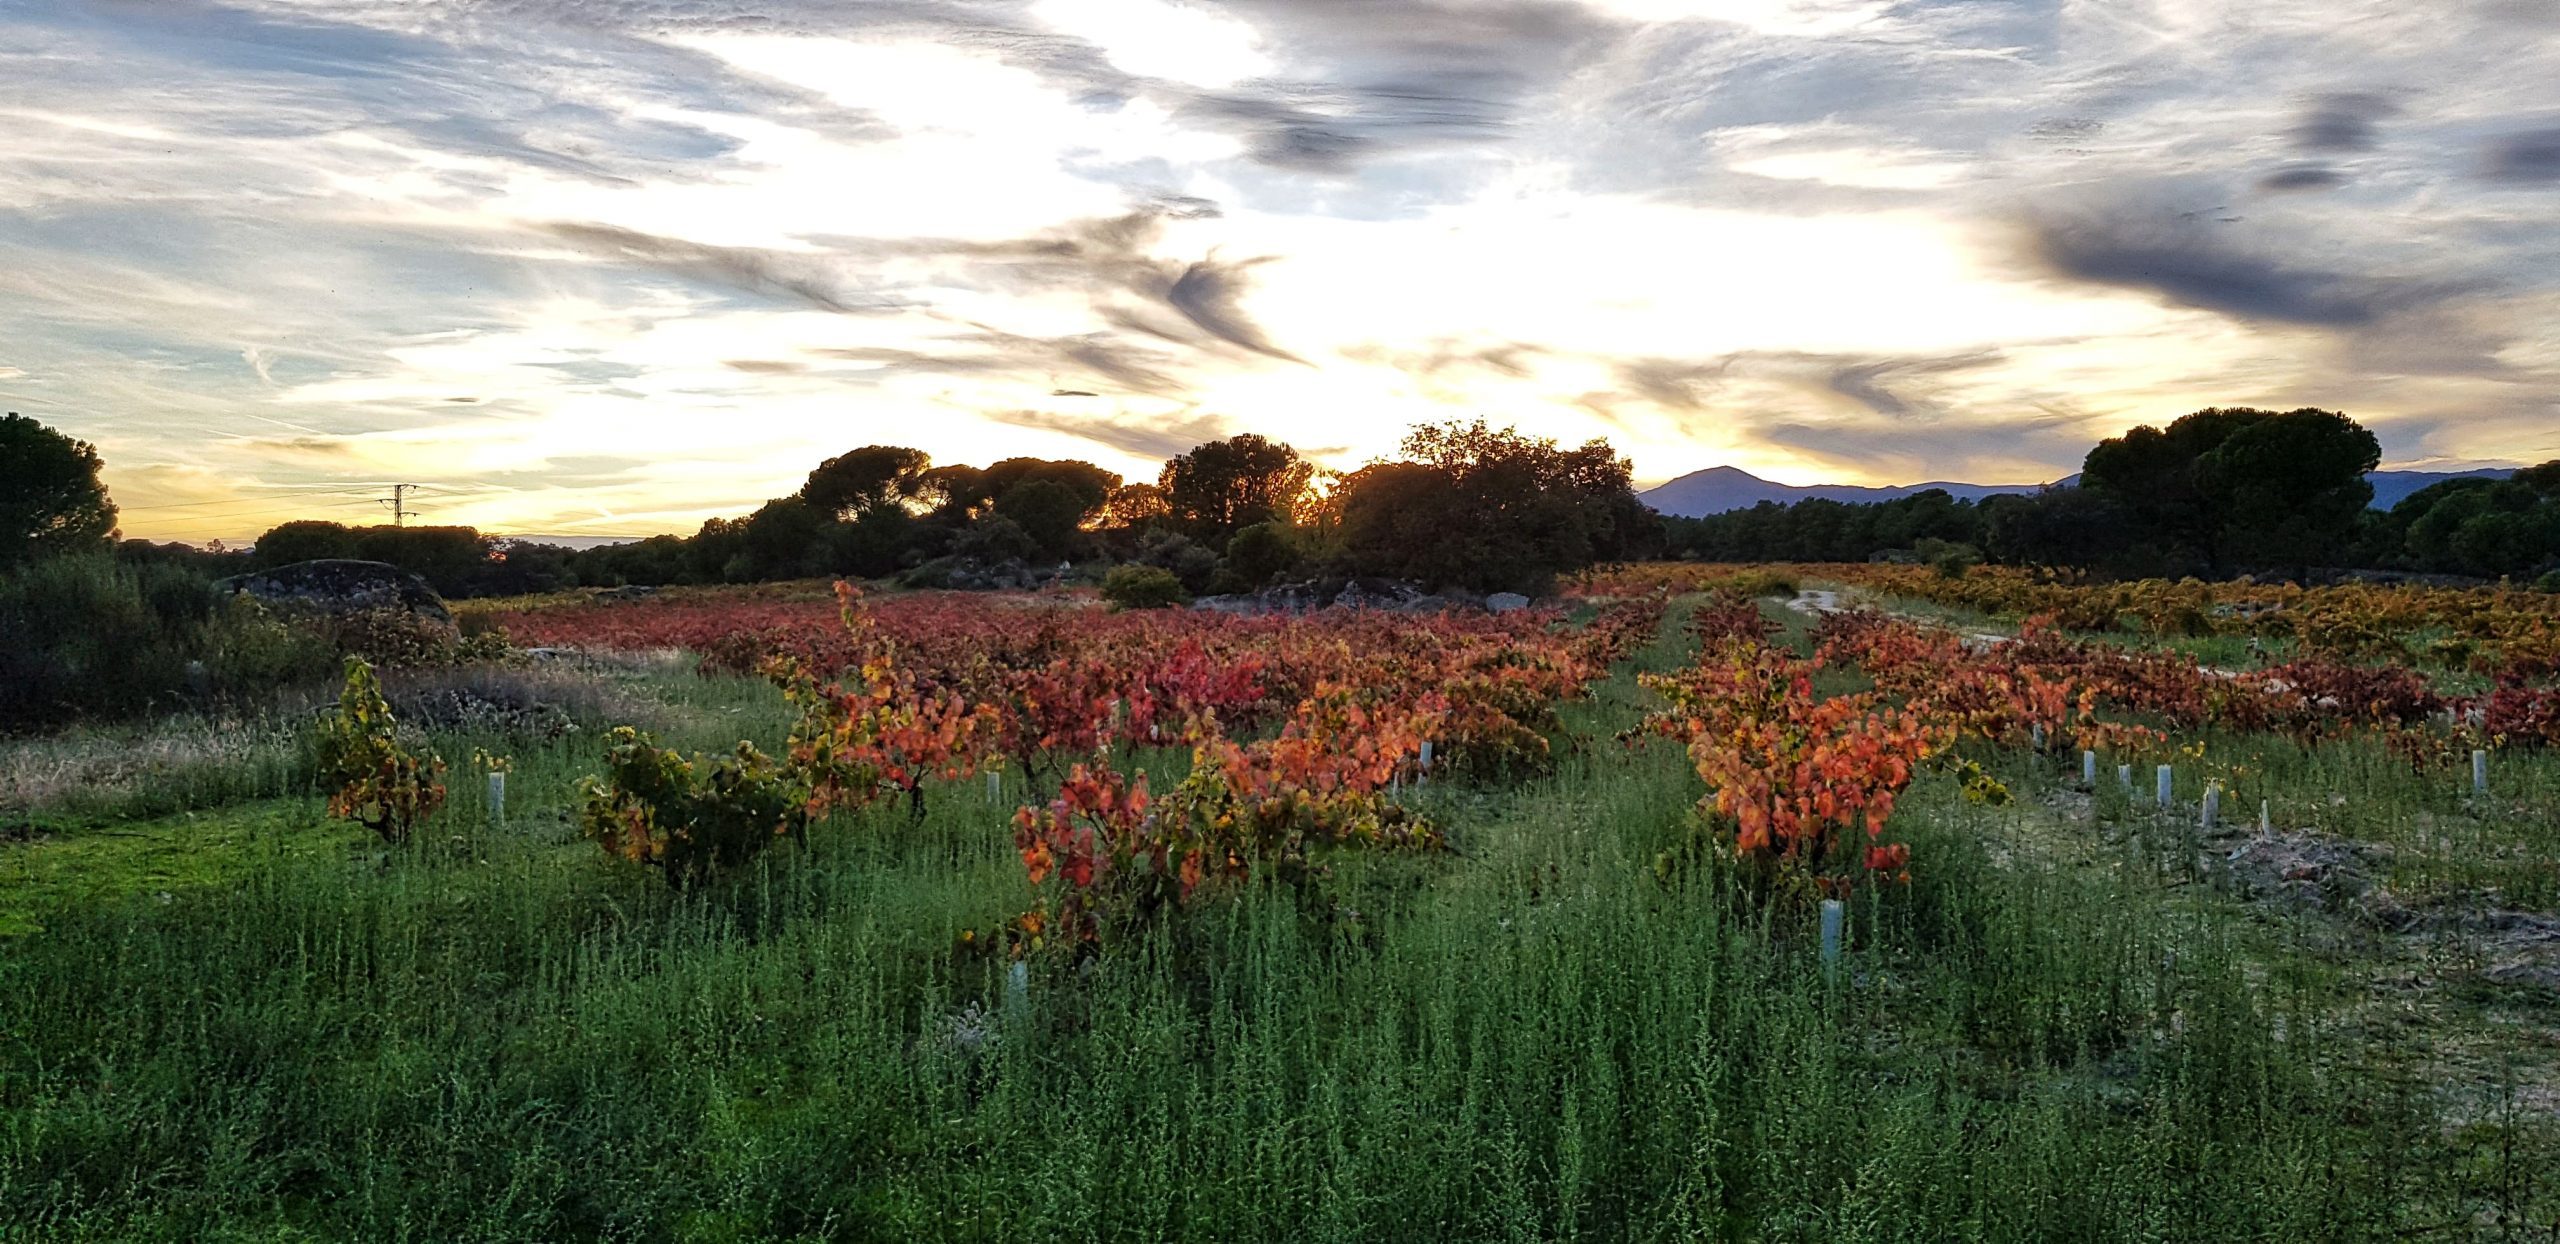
498, 1034
158, 859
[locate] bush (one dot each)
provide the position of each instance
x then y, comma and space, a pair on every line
1949, 558
93, 637
397, 639
1184, 557
689, 818
2548, 583
1143, 587
994, 539
1261, 553
932, 574
373, 780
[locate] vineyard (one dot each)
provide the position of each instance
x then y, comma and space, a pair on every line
1791, 902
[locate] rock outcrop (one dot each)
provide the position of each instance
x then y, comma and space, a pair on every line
343, 586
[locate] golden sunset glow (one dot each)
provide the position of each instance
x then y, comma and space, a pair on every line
582, 271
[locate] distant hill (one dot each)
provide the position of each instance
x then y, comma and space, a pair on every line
1718, 489
2391, 487
573, 542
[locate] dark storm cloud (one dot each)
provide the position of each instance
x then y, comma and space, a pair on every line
1363, 80
2343, 122
2303, 177
1112, 259
2187, 262
1373, 80
1208, 294
2532, 157
774, 274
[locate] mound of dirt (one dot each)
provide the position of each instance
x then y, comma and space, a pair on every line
2308, 872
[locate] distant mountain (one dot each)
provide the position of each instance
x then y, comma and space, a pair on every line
2392, 487
1718, 489
574, 542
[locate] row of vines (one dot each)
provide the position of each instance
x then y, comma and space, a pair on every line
2507, 634
1300, 730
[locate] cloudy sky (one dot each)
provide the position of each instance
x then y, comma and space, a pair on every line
609, 268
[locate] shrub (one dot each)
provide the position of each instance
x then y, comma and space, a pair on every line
1142, 587
95, 637
994, 539
688, 817
1948, 558
1175, 552
375, 781
2525, 716
932, 574
393, 638
1261, 553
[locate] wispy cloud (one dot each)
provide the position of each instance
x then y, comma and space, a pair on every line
716, 241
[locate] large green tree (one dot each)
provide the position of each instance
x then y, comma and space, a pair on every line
865, 480
1224, 486
2232, 486
2057, 528
2482, 526
1048, 511
1489, 508
303, 540
51, 499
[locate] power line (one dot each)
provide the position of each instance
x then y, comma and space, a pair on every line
398, 501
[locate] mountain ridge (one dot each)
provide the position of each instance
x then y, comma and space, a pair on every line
1719, 489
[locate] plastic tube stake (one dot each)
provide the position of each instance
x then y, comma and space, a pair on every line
1426, 755
2124, 775
2163, 797
2266, 824
2479, 771
995, 787
2089, 769
497, 799
2035, 736
2212, 804
1017, 988
1831, 913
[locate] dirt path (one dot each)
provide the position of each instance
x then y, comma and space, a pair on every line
1814, 602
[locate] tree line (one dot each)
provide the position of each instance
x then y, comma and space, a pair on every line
2222, 491
1461, 506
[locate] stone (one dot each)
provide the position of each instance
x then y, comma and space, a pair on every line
339, 585
1506, 602
1376, 594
